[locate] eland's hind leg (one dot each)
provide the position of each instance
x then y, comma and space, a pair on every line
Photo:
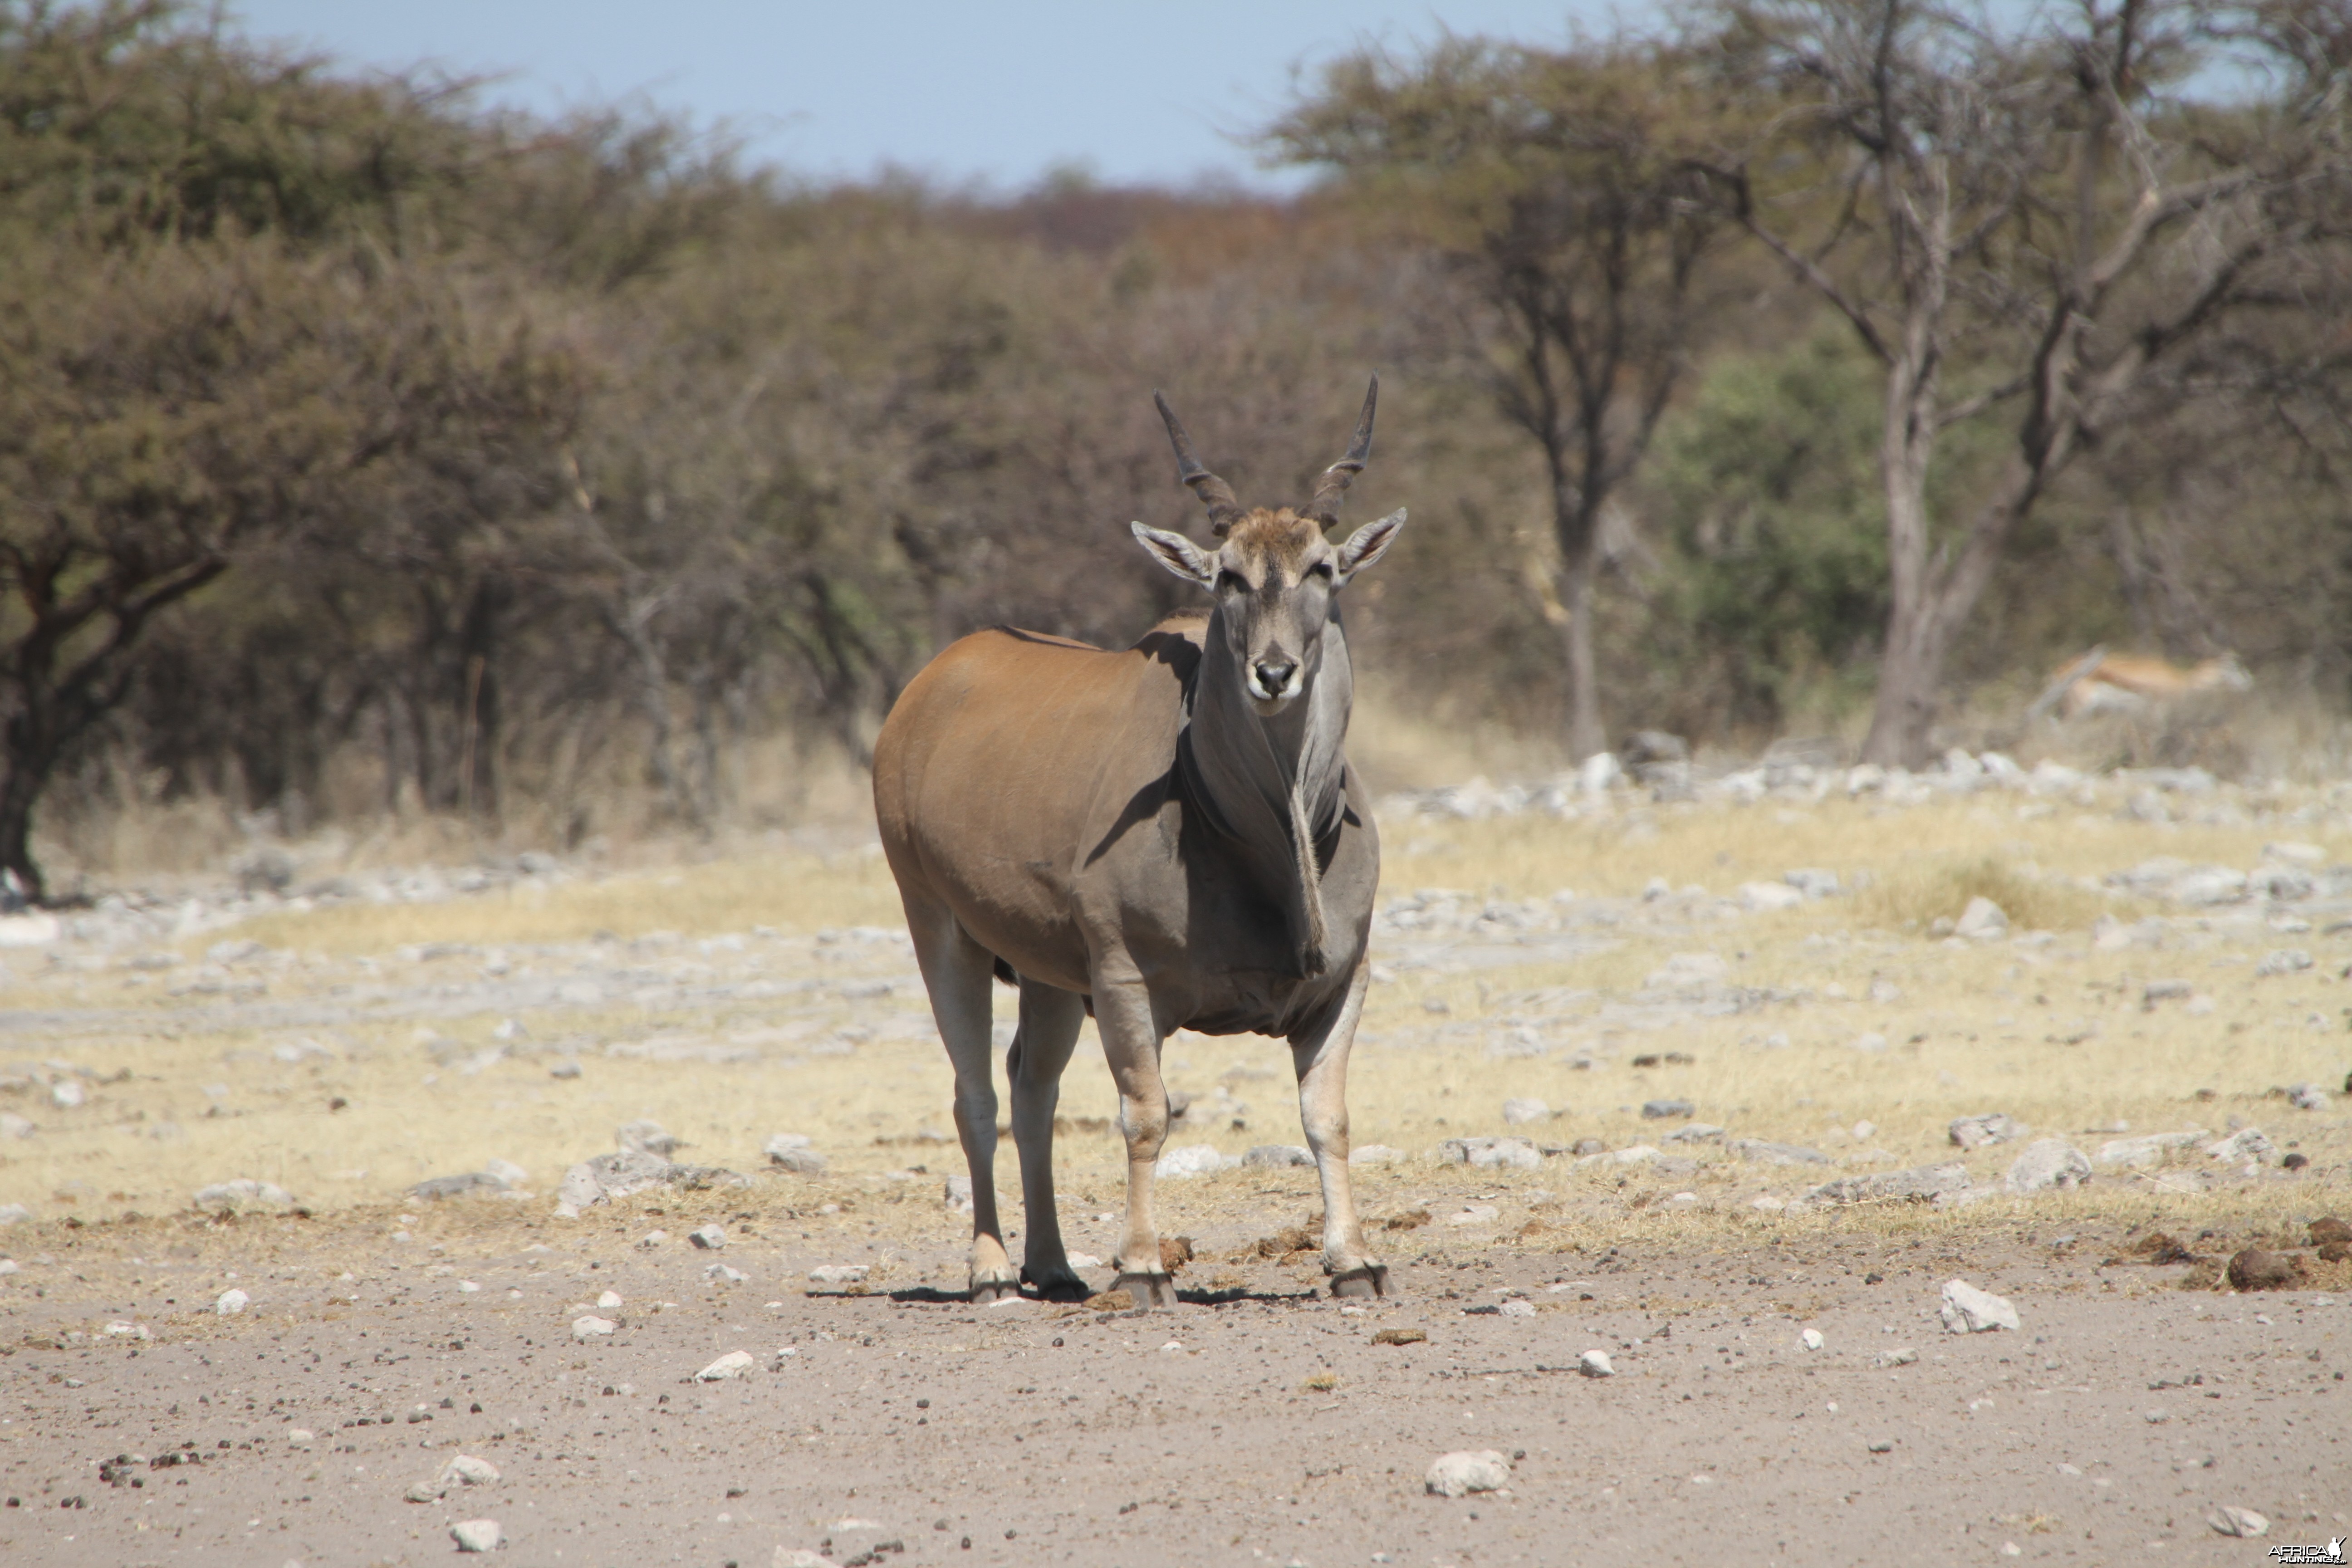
958, 971
1050, 1020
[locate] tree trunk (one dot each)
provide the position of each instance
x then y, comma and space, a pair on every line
18, 793
1587, 736
1911, 669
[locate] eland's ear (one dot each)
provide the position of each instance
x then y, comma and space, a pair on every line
1368, 543
1178, 553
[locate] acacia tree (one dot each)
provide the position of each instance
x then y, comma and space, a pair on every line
1556, 182
2031, 225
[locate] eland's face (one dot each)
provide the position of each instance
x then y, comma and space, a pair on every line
1274, 580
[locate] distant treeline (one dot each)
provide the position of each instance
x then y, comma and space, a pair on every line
353, 429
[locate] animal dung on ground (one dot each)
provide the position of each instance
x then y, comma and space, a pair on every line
1401, 1337
1463, 1473
1175, 1251
1112, 1301
2255, 1269
2329, 1229
1969, 1311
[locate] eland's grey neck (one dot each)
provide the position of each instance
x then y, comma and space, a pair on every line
1275, 782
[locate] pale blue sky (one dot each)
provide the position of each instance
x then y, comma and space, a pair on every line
1003, 93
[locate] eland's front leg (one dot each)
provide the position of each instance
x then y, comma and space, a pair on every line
1131, 1037
1320, 1057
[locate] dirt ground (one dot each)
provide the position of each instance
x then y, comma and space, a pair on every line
1258, 1423
1742, 1004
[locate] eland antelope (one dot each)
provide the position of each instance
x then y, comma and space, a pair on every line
1166, 837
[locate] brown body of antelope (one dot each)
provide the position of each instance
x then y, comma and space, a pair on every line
2132, 683
1167, 836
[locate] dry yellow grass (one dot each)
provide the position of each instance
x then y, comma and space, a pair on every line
2055, 1035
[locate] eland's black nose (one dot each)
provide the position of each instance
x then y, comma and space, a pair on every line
1274, 675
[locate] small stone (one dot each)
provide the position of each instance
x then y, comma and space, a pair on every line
956, 1193
1768, 1154
2255, 1269
2306, 1097
2049, 1163
724, 1274
2281, 961
2247, 1144
792, 1151
1521, 1110
1812, 883
68, 1093
1695, 1132
838, 1273
1870, 1041
708, 1238
1987, 1127
1595, 1363
1516, 1308
2239, 1521
14, 1213
1376, 1154
1864, 1131
734, 1364
609, 1299
231, 1303
645, 1136
1192, 1160
2157, 1417
586, 1329
653, 1238
1882, 1446
1463, 1473
1969, 1311
2146, 1149
477, 1535
1902, 1357
1663, 1109
1765, 897
1923, 1182
469, 1471
243, 1194
1982, 920
1401, 1337
1278, 1156
1812, 1337
301, 1438
567, 1068
15, 1126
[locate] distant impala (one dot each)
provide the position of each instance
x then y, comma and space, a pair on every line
1166, 837
2131, 683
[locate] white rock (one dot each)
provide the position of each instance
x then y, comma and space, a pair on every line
608, 1301
1376, 1154
724, 1274
1987, 1127
734, 1364
506, 1171
1763, 898
2148, 1149
792, 1151
2246, 1143
1491, 1154
2238, 1522
231, 1303
578, 1189
301, 1438
14, 1213
1475, 1214
1812, 883
1461, 1474
469, 1471
1903, 1356
1278, 1157
242, 1195
30, 929
1982, 920
646, 1136
956, 1193
586, 1329
1515, 1308
838, 1273
1812, 1337
1969, 1311
1192, 1160
15, 1126
1595, 1363
1523, 1108
477, 1535
2048, 1162
67, 1093
2307, 1096
2283, 960
708, 1237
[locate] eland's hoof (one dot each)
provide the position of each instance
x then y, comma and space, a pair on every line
1059, 1287
1371, 1279
986, 1292
1149, 1289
